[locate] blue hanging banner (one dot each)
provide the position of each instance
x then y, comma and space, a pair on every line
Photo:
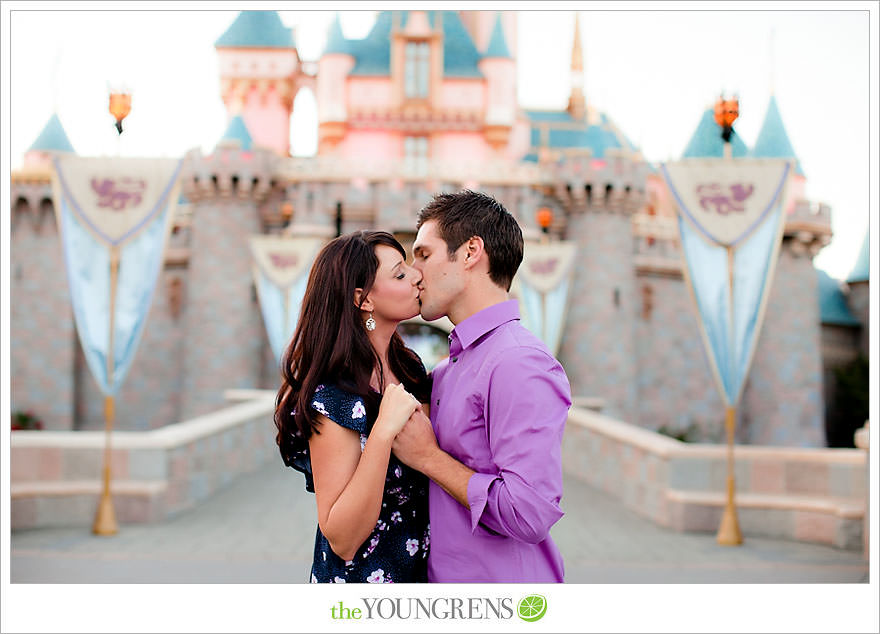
114, 216
542, 286
281, 272
730, 220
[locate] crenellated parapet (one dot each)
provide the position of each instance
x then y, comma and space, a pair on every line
229, 173
807, 228
615, 183
31, 199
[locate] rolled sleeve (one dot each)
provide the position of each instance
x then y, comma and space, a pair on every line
526, 410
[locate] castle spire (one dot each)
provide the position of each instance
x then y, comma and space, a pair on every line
576, 101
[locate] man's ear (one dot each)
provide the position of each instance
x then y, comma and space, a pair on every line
368, 303
475, 251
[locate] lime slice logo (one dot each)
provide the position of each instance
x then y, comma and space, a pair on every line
532, 608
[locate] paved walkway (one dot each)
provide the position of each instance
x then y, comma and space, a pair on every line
261, 530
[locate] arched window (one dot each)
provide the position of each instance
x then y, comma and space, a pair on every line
430, 343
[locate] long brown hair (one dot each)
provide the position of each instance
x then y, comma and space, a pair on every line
330, 344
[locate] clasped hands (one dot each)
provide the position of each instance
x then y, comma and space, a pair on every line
415, 445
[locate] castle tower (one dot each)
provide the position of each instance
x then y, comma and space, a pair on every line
43, 344
500, 71
481, 25
773, 142
333, 68
859, 283
259, 73
224, 340
599, 181
576, 102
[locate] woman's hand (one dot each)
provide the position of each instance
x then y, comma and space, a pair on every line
396, 408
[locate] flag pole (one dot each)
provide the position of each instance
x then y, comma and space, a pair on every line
728, 532
105, 518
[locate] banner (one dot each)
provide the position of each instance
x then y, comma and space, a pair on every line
542, 285
730, 225
114, 216
281, 272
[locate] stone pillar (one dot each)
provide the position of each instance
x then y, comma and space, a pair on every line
224, 333
782, 402
598, 346
42, 332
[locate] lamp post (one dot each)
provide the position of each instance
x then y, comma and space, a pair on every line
729, 533
544, 217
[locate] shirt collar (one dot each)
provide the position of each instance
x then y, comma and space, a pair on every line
478, 324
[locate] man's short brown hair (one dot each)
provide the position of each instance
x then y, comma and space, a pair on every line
466, 214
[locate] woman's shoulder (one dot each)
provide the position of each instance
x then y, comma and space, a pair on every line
341, 406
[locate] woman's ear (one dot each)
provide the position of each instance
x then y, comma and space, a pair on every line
368, 303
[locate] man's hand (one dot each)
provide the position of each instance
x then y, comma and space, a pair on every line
416, 445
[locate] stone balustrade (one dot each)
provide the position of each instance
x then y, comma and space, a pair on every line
812, 495
55, 476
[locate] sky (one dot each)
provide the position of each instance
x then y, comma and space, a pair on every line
652, 72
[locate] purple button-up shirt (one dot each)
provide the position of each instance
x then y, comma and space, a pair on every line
499, 406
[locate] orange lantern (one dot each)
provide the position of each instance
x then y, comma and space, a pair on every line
726, 112
544, 216
120, 106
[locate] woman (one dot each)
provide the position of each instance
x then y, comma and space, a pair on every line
348, 381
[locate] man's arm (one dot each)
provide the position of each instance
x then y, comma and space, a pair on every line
416, 446
526, 408
527, 405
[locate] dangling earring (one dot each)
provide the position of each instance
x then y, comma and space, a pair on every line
371, 323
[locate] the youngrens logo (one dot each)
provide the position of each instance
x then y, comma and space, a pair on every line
530, 608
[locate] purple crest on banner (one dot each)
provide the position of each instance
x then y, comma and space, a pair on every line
117, 195
543, 267
710, 194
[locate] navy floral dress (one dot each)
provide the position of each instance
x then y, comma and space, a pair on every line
397, 549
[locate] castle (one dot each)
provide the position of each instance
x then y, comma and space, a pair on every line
426, 102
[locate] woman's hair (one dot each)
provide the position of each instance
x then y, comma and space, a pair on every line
330, 344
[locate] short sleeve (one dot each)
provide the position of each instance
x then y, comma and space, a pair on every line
343, 408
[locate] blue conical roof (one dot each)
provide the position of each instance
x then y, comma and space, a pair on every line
498, 43
237, 131
52, 138
707, 142
772, 139
336, 42
833, 308
860, 272
373, 53
257, 29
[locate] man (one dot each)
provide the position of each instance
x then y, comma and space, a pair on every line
498, 406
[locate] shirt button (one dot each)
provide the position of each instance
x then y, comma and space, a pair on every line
438, 401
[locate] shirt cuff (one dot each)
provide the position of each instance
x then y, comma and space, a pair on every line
478, 495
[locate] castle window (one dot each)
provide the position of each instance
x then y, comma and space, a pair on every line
415, 152
417, 70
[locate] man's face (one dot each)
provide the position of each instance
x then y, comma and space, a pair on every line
442, 279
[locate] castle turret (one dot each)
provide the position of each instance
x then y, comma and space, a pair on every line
53, 139
259, 70
500, 71
44, 346
858, 282
225, 344
577, 102
773, 142
333, 68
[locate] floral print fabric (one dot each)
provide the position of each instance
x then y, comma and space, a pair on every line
397, 549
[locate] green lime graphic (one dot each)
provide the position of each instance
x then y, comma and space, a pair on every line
532, 608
